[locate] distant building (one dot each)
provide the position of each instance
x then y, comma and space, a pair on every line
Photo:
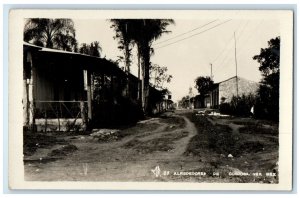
236, 86
223, 92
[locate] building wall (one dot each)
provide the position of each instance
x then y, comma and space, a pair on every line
228, 89
197, 102
58, 82
214, 96
58, 88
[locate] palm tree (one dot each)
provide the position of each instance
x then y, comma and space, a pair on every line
141, 32
94, 49
148, 30
124, 33
51, 33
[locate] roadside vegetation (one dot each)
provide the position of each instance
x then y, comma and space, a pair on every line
235, 145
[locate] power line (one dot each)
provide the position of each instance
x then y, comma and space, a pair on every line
242, 46
194, 34
231, 38
249, 37
222, 50
185, 32
223, 65
236, 75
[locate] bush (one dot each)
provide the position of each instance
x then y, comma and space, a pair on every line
239, 106
225, 108
111, 114
267, 104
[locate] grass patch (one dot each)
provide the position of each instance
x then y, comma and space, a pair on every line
258, 129
33, 141
251, 152
173, 121
138, 129
218, 138
223, 141
132, 143
252, 123
163, 143
63, 151
150, 146
176, 136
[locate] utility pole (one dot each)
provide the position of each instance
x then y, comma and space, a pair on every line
211, 75
236, 76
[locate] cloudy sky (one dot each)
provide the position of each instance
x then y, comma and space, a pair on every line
192, 46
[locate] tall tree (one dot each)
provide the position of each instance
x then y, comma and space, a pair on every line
124, 34
51, 33
184, 102
203, 85
147, 31
268, 93
159, 76
93, 49
141, 32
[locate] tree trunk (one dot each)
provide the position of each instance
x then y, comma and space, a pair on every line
127, 69
89, 96
143, 86
25, 103
139, 74
145, 81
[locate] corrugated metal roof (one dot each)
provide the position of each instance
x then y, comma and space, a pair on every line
57, 51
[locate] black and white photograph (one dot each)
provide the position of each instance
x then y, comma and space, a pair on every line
200, 98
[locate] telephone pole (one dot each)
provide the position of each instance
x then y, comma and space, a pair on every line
211, 75
236, 76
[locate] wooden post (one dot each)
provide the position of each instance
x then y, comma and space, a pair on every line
92, 85
26, 106
159, 107
46, 123
89, 96
25, 102
83, 115
31, 91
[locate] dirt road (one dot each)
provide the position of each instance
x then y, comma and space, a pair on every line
180, 147
154, 143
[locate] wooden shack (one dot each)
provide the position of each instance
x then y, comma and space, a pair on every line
60, 85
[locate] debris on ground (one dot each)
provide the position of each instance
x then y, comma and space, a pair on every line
148, 120
230, 156
209, 112
105, 135
63, 151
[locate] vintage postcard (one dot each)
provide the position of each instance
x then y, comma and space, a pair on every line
150, 100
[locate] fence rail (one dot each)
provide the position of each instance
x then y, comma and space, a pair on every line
60, 115
60, 109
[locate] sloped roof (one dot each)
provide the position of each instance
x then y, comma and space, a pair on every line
235, 77
105, 64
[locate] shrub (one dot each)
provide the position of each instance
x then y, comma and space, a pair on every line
225, 108
238, 106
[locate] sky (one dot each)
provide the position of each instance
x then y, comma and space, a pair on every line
193, 47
